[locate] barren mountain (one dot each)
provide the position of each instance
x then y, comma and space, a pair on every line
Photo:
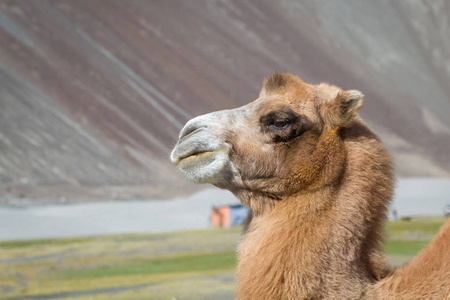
93, 93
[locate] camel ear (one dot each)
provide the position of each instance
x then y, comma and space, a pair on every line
342, 109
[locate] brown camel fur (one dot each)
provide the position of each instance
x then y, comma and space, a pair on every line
318, 183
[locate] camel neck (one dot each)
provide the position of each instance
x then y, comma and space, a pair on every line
322, 243
292, 247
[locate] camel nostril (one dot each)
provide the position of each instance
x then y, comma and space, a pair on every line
195, 130
190, 129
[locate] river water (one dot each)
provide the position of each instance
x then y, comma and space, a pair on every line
414, 197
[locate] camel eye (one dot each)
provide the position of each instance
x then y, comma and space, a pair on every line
280, 120
280, 123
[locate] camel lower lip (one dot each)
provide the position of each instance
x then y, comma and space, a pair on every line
199, 157
194, 155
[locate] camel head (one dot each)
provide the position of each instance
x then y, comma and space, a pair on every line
286, 141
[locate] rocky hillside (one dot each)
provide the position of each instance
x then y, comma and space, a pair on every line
93, 93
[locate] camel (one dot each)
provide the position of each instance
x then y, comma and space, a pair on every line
317, 182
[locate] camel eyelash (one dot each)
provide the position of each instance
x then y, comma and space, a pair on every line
279, 121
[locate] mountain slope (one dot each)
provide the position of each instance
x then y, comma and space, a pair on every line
93, 93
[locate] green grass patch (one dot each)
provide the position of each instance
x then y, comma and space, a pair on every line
404, 247
178, 264
38, 243
174, 265
408, 237
429, 226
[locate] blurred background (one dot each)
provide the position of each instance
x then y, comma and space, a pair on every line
94, 93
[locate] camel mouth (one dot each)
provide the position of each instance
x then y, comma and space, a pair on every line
200, 165
202, 153
196, 156
195, 146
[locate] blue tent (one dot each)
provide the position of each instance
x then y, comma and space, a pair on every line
238, 214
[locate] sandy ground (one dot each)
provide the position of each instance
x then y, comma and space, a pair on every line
414, 197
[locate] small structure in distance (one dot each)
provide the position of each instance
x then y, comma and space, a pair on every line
228, 215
